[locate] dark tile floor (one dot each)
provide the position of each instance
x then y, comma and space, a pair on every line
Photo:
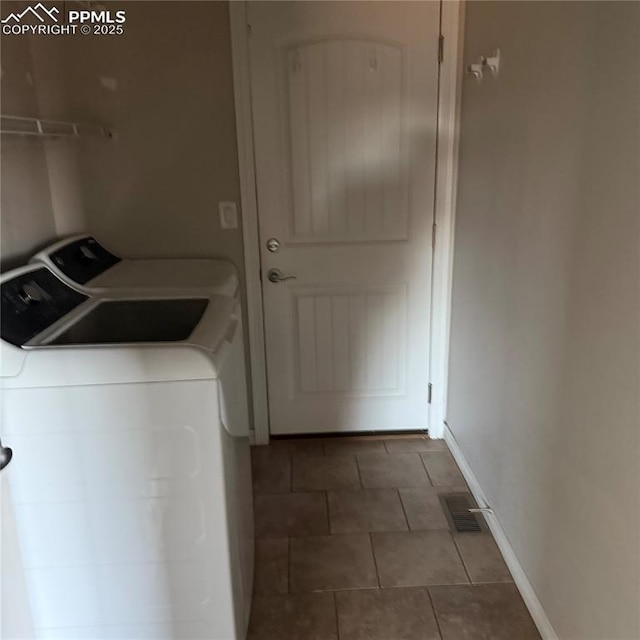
352, 544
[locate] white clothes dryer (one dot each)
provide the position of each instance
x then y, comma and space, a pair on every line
86, 265
130, 481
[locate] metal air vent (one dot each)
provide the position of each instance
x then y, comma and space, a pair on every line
456, 507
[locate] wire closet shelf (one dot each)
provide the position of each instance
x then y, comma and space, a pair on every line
42, 128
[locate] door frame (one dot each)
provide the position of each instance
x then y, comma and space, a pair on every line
449, 90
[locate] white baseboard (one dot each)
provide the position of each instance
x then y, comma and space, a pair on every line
522, 582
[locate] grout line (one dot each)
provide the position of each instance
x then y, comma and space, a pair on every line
267, 494
359, 472
398, 587
424, 464
435, 613
315, 534
290, 472
464, 564
288, 565
326, 505
404, 511
349, 589
335, 609
375, 561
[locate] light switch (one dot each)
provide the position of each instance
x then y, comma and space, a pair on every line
228, 212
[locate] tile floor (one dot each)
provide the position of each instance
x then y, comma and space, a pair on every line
352, 544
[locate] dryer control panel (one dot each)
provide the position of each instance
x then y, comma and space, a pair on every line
83, 259
33, 301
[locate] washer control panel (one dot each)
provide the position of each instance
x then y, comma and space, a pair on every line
33, 301
83, 259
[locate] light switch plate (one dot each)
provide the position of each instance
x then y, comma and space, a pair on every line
228, 212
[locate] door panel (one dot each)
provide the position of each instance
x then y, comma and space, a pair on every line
349, 342
344, 106
346, 171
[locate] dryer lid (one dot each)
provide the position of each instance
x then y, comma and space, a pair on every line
84, 263
148, 274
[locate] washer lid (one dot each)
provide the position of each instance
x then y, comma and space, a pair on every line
38, 309
133, 321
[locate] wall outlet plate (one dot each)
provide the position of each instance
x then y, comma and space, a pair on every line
228, 212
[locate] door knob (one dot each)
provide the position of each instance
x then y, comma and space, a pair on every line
5, 456
273, 245
275, 276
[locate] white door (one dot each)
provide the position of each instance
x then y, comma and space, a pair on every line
344, 105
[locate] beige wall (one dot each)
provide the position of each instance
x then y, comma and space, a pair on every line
166, 86
154, 191
26, 211
544, 381
41, 195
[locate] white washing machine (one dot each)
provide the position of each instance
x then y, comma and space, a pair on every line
130, 483
85, 264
